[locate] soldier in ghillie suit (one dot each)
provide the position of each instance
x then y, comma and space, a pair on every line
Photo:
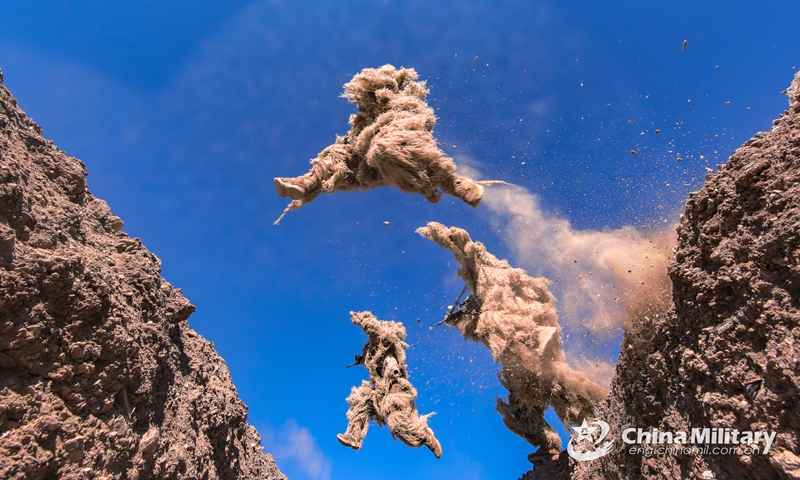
388, 398
514, 315
390, 143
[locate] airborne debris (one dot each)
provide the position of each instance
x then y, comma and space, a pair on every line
514, 315
388, 398
390, 143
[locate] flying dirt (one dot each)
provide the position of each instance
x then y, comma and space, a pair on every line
514, 315
388, 398
725, 355
390, 143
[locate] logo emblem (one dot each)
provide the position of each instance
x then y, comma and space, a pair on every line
583, 445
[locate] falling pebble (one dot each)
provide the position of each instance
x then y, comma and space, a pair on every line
523, 163
680, 159
455, 55
685, 42
727, 103
717, 66
476, 58
658, 131
581, 84
748, 108
630, 122
385, 223
455, 146
633, 152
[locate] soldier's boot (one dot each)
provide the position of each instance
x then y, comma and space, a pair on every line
433, 444
296, 188
349, 440
469, 191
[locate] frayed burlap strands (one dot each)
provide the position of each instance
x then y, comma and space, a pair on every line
390, 143
388, 398
515, 316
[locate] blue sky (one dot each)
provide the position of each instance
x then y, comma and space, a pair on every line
184, 112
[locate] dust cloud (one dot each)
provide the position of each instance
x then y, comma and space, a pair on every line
604, 280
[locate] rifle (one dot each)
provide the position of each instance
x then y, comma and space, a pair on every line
359, 361
454, 306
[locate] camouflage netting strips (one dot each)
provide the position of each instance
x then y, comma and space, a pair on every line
390, 143
515, 317
388, 398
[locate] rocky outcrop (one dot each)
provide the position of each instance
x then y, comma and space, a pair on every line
728, 353
100, 374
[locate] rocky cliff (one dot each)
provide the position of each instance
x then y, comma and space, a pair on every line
728, 353
100, 374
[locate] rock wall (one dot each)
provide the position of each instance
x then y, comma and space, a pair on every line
100, 374
728, 353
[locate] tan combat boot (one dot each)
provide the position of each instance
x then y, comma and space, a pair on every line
469, 191
433, 444
348, 440
294, 188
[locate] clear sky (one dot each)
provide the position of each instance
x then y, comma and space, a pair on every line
184, 112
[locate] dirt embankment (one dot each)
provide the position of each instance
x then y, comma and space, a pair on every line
728, 353
100, 374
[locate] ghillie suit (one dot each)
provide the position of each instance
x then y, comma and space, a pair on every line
389, 397
515, 316
390, 143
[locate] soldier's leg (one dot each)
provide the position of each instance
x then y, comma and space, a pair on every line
575, 397
331, 162
358, 416
465, 189
297, 187
528, 422
412, 429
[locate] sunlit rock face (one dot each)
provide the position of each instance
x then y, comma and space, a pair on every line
726, 355
100, 374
